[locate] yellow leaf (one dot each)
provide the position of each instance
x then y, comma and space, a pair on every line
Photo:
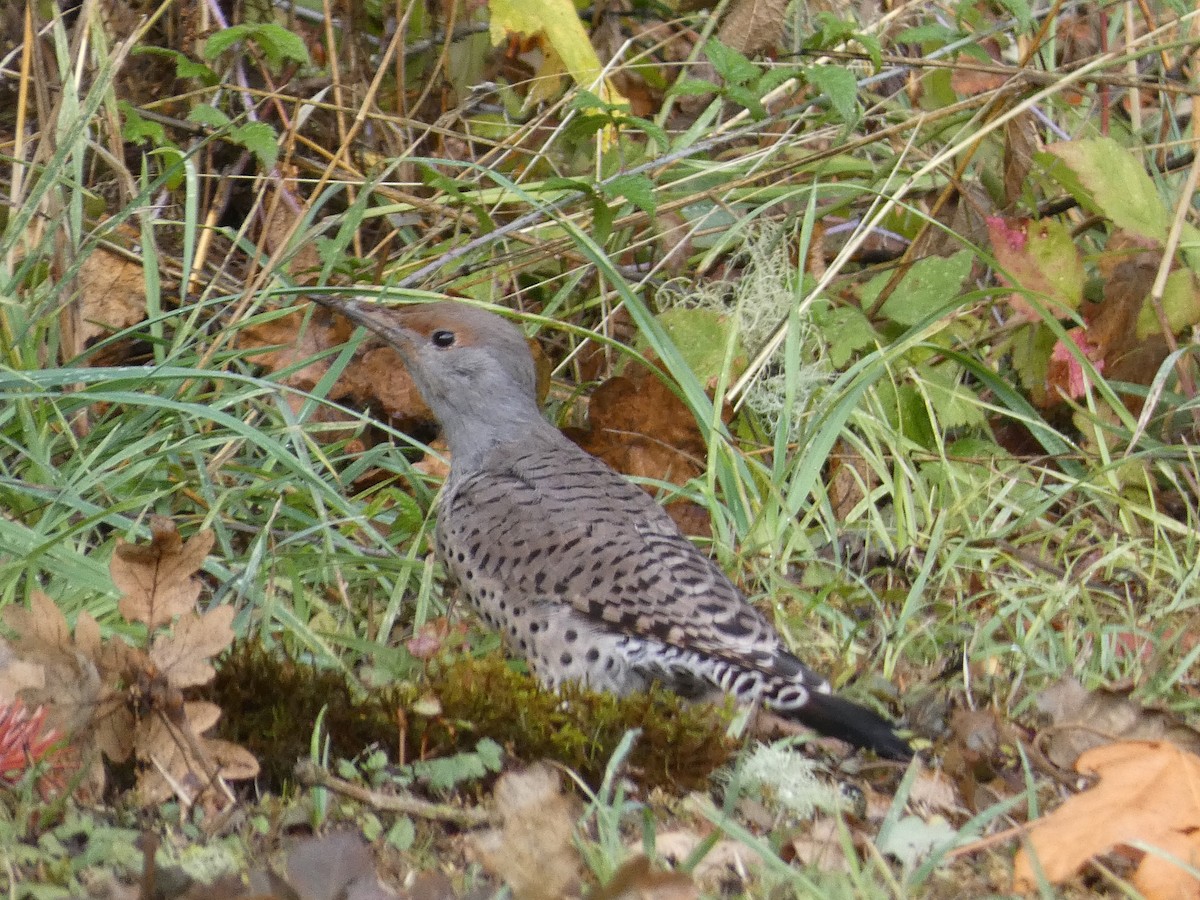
565, 45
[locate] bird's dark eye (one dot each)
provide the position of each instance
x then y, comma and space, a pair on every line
442, 338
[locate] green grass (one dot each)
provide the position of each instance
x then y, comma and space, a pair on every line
992, 575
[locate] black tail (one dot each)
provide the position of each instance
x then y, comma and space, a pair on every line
847, 721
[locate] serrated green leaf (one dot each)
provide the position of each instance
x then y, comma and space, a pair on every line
637, 189
733, 67
278, 44
204, 114
275, 42
692, 87
748, 99
847, 330
137, 129
840, 86
1105, 177
701, 336
260, 139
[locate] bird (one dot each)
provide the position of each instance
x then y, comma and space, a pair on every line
583, 574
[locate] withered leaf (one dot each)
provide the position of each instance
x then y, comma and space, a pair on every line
156, 578
40, 629
532, 851
1149, 792
180, 760
183, 654
1084, 719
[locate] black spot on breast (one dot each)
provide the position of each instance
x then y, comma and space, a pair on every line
570, 635
565, 659
593, 655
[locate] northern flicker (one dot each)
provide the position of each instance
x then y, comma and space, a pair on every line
581, 572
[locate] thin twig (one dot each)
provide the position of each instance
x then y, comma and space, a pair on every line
310, 774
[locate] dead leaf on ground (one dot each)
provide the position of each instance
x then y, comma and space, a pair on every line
532, 850
1082, 719
754, 26
113, 698
981, 759
637, 880
727, 861
1148, 792
112, 297
155, 579
638, 426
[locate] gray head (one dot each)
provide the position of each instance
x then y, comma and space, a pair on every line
473, 368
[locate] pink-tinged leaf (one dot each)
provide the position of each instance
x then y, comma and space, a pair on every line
1037, 259
1066, 372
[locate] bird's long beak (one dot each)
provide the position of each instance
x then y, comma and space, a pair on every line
382, 321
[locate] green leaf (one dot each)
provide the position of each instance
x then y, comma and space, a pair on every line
275, 42
954, 404
402, 835
204, 114
927, 34
927, 288
701, 336
185, 67
748, 99
637, 189
137, 130
491, 754
652, 130
840, 86
847, 331
733, 67
260, 139
692, 87
1181, 303
1038, 258
1103, 176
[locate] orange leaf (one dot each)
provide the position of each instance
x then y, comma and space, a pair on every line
1149, 792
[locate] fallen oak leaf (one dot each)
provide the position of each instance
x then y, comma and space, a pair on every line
68, 676
183, 763
1149, 793
183, 654
1081, 719
155, 579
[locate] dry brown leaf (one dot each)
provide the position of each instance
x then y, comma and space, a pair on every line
727, 859
1083, 719
180, 761
640, 428
183, 654
820, 845
38, 630
754, 26
335, 866
1021, 142
532, 850
50, 669
1149, 792
112, 296
636, 880
155, 579
282, 209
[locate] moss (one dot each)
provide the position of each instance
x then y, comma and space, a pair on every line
271, 704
